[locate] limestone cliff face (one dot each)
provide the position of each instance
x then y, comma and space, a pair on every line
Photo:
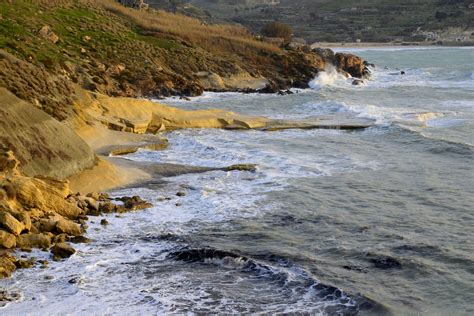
43, 145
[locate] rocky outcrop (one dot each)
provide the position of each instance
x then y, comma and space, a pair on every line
42, 213
43, 145
352, 64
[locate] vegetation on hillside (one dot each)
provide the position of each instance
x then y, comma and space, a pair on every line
277, 29
48, 46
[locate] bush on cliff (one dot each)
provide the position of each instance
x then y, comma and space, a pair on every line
277, 29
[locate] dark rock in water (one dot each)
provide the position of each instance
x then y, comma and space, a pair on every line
80, 240
107, 207
386, 263
358, 82
402, 72
285, 92
133, 203
367, 64
241, 167
104, 222
201, 254
271, 87
6, 297
25, 264
356, 268
180, 194
62, 250
367, 73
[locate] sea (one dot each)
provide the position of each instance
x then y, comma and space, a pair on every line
369, 222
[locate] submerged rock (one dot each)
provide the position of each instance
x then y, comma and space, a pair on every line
358, 82
6, 297
385, 263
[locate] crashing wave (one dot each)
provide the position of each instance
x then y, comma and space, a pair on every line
328, 77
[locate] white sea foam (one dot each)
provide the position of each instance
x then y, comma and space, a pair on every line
329, 77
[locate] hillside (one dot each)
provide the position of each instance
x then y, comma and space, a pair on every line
52, 47
350, 20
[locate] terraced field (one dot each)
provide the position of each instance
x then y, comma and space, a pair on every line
345, 20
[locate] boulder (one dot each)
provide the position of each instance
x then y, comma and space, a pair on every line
21, 216
80, 240
61, 238
7, 240
10, 223
133, 203
46, 225
62, 250
34, 193
28, 241
47, 33
7, 266
93, 195
107, 207
25, 264
68, 227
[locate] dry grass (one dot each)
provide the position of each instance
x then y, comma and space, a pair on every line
214, 38
225, 40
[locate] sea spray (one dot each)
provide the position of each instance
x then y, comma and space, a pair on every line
328, 77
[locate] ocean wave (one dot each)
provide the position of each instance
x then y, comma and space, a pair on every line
287, 283
329, 77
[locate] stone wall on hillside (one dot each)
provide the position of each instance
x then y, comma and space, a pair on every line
139, 4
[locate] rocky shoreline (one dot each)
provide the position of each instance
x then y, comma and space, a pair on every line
42, 213
38, 208
62, 123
